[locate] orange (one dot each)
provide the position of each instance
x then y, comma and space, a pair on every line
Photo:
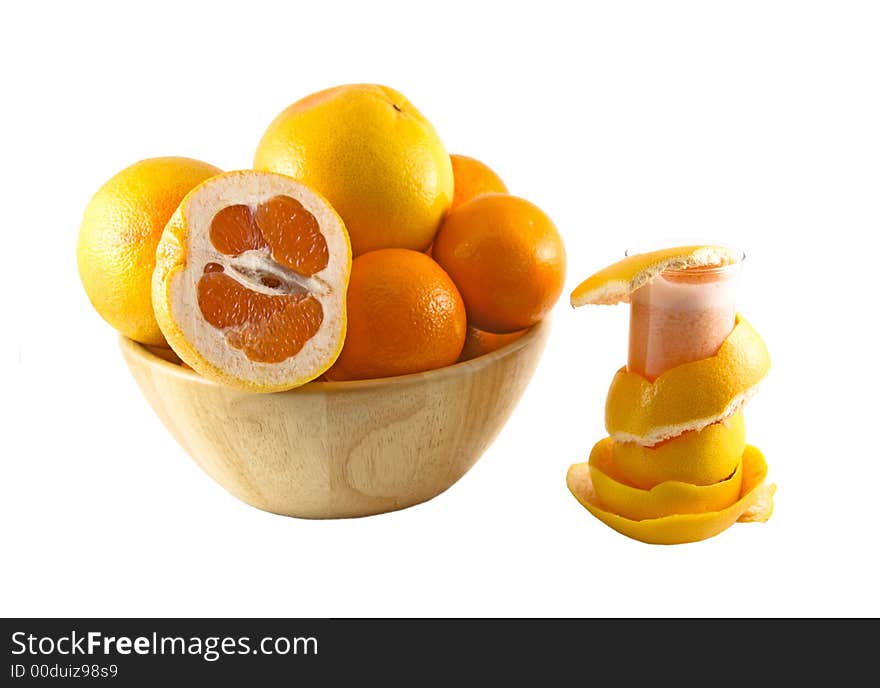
473, 178
250, 280
373, 155
507, 259
116, 250
404, 316
477, 342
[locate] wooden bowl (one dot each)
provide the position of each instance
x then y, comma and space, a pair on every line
341, 449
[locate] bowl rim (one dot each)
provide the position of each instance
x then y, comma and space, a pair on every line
316, 386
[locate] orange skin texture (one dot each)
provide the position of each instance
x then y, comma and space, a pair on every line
473, 178
478, 343
507, 259
371, 153
405, 315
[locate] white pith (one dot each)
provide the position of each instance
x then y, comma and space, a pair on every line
327, 286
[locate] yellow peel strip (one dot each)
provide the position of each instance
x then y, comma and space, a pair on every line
701, 457
667, 498
614, 283
690, 396
755, 504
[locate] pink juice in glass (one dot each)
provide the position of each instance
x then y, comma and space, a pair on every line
681, 316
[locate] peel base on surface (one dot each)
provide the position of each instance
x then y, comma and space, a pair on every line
755, 503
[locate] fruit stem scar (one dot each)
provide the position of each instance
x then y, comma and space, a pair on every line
394, 105
256, 270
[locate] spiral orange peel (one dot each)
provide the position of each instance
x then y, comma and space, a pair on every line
675, 467
698, 457
690, 396
755, 503
665, 499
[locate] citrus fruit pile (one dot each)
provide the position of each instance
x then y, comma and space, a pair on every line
356, 248
675, 467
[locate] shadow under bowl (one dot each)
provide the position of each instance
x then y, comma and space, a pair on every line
341, 449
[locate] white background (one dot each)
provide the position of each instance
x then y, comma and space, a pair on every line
755, 123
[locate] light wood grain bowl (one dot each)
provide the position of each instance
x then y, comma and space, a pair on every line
341, 449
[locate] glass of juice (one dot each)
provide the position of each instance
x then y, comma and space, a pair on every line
682, 316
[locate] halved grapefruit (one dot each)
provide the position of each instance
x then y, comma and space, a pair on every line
250, 281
